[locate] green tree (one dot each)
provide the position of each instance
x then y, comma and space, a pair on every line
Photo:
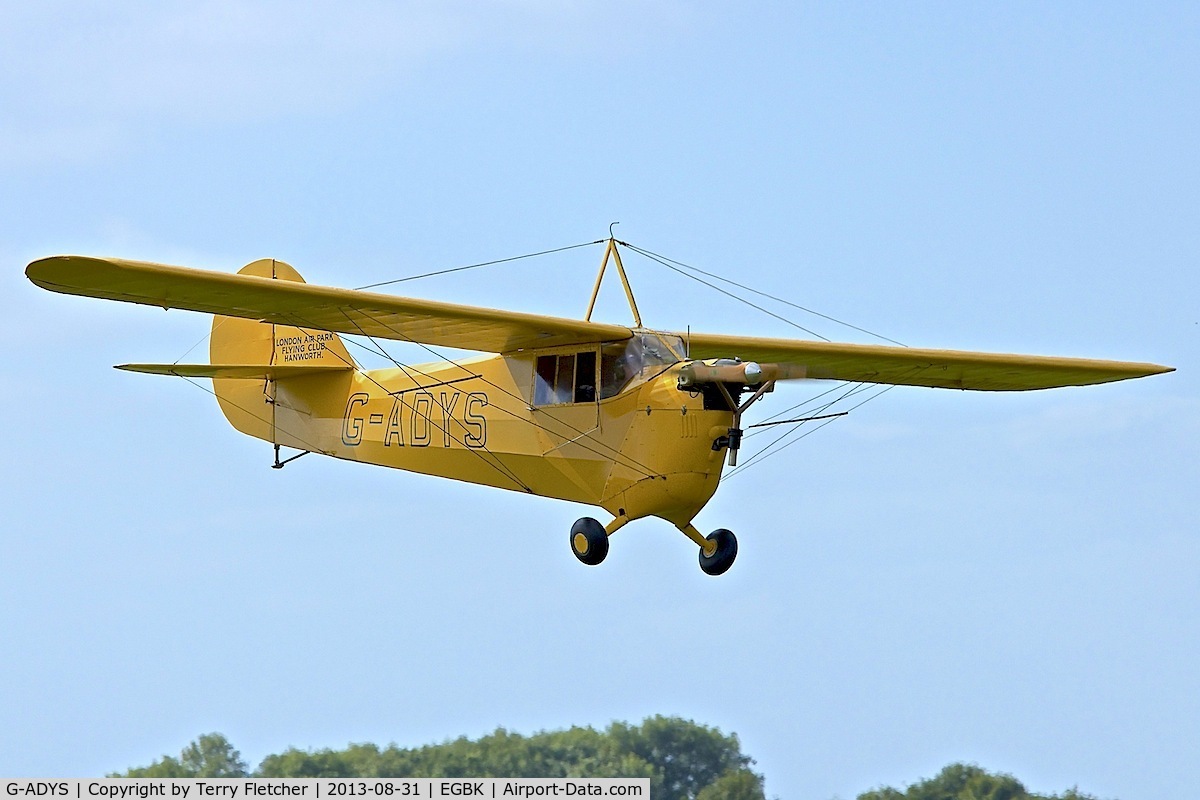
577, 752
683, 760
679, 757
688, 756
967, 782
209, 756
740, 784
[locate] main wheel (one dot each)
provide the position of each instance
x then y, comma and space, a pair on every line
589, 541
724, 554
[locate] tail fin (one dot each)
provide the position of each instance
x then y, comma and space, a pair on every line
279, 407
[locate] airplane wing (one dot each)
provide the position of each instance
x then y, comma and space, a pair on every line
472, 328
317, 307
907, 366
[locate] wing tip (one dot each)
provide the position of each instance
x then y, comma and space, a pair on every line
1147, 370
35, 270
53, 272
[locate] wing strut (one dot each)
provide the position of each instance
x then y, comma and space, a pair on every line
611, 250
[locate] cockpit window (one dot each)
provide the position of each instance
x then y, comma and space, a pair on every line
567, 378
622, 362
585, 377
665, 348
617, 368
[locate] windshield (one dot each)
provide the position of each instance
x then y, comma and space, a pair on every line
637, 357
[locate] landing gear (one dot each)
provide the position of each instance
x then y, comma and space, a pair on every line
721, 550
589, 541
717, 550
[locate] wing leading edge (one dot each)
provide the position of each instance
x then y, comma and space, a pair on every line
910, 366
317, 307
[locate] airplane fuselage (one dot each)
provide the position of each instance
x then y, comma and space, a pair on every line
645, 451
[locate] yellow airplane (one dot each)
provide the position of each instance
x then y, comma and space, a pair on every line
636, 421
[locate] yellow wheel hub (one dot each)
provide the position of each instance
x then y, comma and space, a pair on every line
581, 544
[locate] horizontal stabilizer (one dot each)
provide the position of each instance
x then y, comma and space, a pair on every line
268, 372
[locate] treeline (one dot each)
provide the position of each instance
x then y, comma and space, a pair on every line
969, 782
683, 760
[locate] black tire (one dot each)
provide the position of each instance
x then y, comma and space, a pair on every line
722, 558
589, 541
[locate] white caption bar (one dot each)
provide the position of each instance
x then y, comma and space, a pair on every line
321, 788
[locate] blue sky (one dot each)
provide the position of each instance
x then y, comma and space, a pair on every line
1008, 579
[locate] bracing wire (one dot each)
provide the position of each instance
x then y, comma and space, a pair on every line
796, 407
779, 443
408, 370
788, 437
714, 287
481, 264
663, 260
613, 453
775, 447
855, 389
850, 391
311, 447
496, 463
435, 273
